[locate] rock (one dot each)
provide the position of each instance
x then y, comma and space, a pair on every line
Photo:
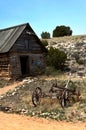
75, 47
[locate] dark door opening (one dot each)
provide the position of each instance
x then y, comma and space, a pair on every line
24, 61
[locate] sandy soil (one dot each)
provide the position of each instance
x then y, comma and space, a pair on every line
9, 87
21, 122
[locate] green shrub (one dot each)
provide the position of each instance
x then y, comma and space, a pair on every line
81, 62
56, 58
52, 71
44, 42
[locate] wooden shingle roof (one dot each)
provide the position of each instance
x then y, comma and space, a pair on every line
9, 36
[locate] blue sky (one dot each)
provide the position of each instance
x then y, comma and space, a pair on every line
44, 15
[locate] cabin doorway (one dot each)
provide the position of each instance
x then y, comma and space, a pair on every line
24, 61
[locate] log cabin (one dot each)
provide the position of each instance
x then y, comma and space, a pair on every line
21, 52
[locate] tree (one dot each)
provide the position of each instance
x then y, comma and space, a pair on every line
56, 58
62, 31
45, 35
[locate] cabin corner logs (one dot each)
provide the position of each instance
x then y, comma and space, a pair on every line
25, 57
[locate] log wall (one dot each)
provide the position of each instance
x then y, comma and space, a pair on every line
4, 65
25, 57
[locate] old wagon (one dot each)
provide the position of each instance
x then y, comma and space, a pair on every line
63, 94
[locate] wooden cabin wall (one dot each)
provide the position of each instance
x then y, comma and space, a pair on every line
4, 65
14, 65
37, 63
26, 49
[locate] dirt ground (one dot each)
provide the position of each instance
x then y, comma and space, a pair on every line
21, 122
9, 87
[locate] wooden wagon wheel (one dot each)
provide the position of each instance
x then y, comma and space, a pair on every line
64, 98
36, 96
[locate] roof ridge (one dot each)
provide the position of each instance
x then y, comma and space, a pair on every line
14, 26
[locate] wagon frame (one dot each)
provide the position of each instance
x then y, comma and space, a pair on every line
63, 94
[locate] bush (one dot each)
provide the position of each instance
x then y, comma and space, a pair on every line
51, 71
44, 42
81, 62
56, 58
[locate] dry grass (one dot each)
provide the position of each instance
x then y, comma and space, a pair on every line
20, 100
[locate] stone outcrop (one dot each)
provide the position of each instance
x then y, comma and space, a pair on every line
75, 47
